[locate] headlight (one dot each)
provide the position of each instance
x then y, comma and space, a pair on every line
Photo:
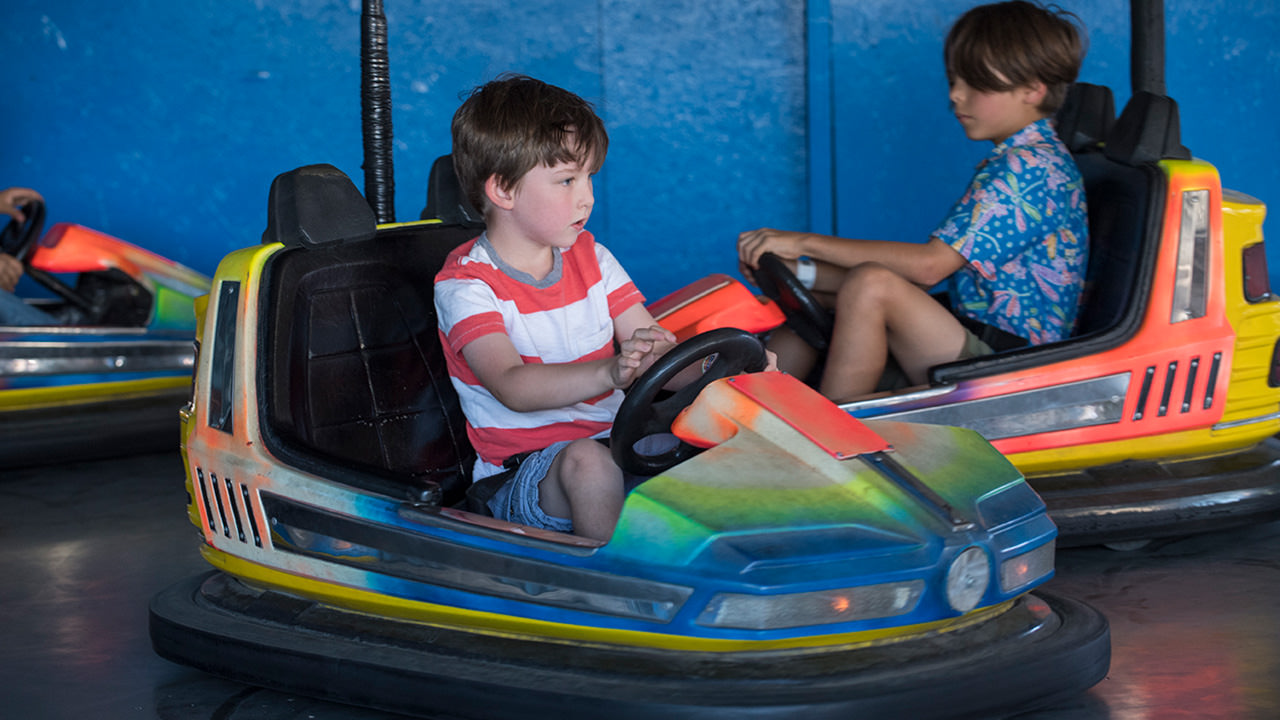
967, 579
1020, 570
768, 612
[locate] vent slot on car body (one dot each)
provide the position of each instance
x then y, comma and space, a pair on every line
232, 512
1168, 388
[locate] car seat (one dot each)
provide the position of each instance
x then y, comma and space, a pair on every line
354, 370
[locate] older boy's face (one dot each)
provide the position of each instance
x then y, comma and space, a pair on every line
552, 204
994, 115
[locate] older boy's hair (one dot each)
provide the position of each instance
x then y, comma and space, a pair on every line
1007, 45
514, 123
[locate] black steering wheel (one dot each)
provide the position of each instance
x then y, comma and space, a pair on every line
642, 414
19, 238
805, 315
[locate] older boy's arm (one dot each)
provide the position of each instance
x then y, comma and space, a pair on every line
923, 264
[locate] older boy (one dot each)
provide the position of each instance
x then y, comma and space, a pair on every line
530, 310
1014, 247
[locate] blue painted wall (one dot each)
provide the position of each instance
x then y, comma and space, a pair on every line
164, 123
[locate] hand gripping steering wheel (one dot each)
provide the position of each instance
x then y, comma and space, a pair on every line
19, 238
642, 414
805, 315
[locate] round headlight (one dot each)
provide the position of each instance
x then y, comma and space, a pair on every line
967, 579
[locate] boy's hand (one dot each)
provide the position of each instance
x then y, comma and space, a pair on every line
754, 243
639, 352
12, 199
10, 272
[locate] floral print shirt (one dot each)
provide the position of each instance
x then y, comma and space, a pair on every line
1022, 227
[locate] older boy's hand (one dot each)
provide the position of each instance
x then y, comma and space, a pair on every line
754, 243
639, 352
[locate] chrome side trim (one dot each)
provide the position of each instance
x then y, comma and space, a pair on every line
1269, 417
1099, 401
62, 358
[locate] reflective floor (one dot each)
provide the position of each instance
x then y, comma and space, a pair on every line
1195, 621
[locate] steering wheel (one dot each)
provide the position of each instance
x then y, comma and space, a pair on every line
19, 238
805, 315
642, 414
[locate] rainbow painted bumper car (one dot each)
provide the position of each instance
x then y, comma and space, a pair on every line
784, 557
109, 371
1159, 417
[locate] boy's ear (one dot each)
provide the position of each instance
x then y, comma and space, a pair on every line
497, 195
1033, 93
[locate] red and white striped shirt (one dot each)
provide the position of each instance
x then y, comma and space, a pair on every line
563, 319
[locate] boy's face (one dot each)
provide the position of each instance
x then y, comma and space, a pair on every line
994, 115
551, 205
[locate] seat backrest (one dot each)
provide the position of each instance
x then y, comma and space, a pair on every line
356, 370
1086, 116
445, 199
1118, 197
1123, 185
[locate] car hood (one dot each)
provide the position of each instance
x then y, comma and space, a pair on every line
789, 482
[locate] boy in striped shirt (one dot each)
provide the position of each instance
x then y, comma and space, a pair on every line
530, 311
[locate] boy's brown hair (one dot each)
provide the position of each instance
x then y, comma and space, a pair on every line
1006, 45
514, 123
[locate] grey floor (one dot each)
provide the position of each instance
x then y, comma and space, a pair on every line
1195, 621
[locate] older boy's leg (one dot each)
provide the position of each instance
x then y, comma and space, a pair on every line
795, 356
586, 486
879, 312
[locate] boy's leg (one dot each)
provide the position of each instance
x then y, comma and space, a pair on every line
15, 311
586, 486
879, 312
795, 356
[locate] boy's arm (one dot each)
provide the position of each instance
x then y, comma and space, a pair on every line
526, 387
924, 264
637, 318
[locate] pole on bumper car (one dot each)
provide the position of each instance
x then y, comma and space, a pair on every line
375, 102
1146, 54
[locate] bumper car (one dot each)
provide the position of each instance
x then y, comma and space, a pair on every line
109, 371
1159, 416
783, 558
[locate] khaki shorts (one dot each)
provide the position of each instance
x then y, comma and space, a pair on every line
973, 346
894, 379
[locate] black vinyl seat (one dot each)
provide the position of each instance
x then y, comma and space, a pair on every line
1122, 186
354, 371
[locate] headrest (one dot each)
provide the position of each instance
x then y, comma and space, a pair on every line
1147, 131
317, 205
1086, 116
445, 200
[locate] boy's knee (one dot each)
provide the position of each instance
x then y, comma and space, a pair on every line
868, 283
586, 462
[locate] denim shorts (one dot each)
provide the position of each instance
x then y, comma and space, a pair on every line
517, 500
